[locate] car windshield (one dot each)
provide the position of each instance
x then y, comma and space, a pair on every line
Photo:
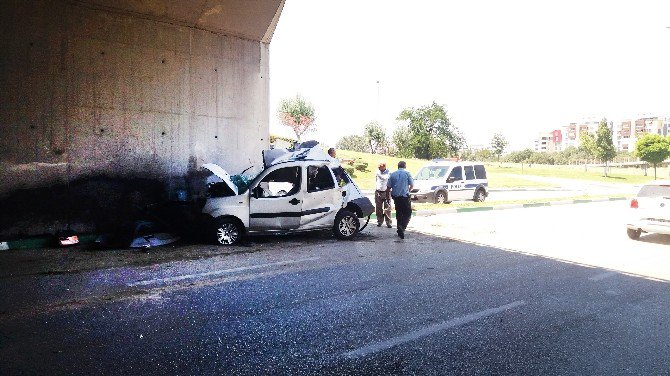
431, 172
654, 191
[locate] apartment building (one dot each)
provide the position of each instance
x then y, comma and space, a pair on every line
624, 136
629, 131
574, 130
625, 133
549, 141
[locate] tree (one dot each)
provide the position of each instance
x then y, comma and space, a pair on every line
522, 156
498, 145
353, 143
402, 142
604, 146
298, 114
587, 146
430, 133
375, 136
652, 148
484, 155
567, 156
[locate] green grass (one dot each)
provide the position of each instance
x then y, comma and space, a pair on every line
366, 179
616, 174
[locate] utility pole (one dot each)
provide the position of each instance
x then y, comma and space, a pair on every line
378, 100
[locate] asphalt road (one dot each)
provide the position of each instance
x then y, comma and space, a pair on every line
376, 305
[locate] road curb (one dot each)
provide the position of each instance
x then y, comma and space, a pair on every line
429, 212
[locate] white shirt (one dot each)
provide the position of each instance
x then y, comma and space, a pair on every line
381, 179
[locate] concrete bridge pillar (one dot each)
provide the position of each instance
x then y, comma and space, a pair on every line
127, 90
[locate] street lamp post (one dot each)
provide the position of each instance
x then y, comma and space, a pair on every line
378, 100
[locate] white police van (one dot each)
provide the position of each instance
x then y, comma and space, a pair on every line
443, 181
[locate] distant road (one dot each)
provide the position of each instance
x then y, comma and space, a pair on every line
562, 188
593, 234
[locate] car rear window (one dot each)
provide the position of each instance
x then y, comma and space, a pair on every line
469, 173
480, 172
654, 191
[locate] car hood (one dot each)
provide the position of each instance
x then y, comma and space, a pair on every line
426, 184
221, 174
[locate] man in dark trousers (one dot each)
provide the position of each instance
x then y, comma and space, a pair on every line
399, 185
382, 198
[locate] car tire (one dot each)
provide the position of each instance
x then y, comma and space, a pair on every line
441, 197
346, 225
480, 195
227, 231
633, 234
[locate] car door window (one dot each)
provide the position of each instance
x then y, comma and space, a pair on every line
319, 178
469, 173
341, 176
456, 173
480, 172
281, 182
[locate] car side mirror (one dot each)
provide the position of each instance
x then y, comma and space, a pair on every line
256, 191
451, 179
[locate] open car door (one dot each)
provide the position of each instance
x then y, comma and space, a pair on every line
276, 199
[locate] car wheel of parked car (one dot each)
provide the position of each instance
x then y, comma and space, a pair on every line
633, 234
441, 197
227, 231
346, 225
480, 196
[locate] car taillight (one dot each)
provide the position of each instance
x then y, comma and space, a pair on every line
633, 204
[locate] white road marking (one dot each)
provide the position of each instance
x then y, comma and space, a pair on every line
218, 272
601, 276
379, 346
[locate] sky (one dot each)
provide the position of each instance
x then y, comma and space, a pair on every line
514, 67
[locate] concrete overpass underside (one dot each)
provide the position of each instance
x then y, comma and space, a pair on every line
106, 100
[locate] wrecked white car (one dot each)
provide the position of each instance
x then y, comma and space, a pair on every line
302, 190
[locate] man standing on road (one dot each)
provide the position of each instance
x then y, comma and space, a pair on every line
399, 185
382, 199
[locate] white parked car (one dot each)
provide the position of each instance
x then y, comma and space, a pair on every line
650, 210
302, 190
444, 181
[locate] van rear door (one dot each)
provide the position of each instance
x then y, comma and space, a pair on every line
470, 182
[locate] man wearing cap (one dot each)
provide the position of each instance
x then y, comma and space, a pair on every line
399, 185
382, 199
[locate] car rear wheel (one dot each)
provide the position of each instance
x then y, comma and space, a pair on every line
633, 234
227, 231
480, 196
346, 225
441, 197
